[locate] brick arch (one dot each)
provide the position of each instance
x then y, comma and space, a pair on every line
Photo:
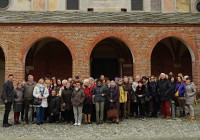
68, 43
185, 40
120, 37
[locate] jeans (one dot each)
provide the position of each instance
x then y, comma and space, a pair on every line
6, 113
99, 108
40, 114
78, 113
181, 102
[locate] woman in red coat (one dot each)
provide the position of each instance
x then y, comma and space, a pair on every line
87, 107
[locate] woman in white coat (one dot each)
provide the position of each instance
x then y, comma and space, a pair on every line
41, 92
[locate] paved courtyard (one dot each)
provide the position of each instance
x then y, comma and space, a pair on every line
181, 129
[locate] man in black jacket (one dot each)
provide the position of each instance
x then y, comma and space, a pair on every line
164, 88
8, 97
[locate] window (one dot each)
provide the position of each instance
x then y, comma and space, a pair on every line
156, 5
198, 5
72, 4
137, 5
4, 4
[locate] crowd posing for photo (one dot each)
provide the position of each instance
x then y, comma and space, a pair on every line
98, 100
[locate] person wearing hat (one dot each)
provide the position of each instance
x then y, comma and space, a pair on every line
140, 94
189, 96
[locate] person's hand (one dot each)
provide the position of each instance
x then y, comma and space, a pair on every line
51, 114
150, 97
111, 101
93, 96
139, 96
5, 101
102, 94
40, 97
64, 104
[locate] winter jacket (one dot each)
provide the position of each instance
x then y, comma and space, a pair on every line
181, 89
18, 96
54, 104
66, 98
28, 90
123, 94
98, 91
164, 88
127, 87
78, 96
88, 92
8, 91
141, 91
37, 93
190, 91
116, 94
153, 90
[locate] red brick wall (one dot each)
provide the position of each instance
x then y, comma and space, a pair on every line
15, 39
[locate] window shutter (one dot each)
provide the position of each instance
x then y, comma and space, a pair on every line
155, 5
72, 4
137, 5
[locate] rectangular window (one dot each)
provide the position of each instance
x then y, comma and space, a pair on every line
72, 4
156, 5
137, 5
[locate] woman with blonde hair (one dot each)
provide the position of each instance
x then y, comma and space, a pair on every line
41, 92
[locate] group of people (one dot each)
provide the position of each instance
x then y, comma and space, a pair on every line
67, 100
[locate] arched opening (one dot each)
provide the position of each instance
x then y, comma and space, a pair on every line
48, 56
2, 69
172, 55
111, 57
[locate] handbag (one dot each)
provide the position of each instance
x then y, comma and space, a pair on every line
112, 113
37, 101
177, 93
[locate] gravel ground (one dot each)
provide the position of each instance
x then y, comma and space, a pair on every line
181, 129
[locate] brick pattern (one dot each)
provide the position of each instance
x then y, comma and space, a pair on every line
16, 39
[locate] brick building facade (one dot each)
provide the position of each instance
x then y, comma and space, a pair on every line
67, 44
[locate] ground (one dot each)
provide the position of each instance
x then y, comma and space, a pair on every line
136, 129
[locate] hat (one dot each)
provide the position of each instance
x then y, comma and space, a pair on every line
76, 77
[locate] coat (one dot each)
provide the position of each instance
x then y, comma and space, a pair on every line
164, 89
18, 96
141, 91
123, 95
153, 90
37, 93
54, 104
8, 91
115, 98
66, 98
190, 91
134, 86
78, 96
98, 91
28, 90
127, 87
88, 92
181, 88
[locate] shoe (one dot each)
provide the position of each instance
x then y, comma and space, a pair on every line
168, 117
189, 117
6, 125
79, 124
192, 118
127, 117
163, 116
89, 122
75, 124
25, 123
9, 124
42, 122
100, 122
143, 119
38, 123
97, 122
16, 123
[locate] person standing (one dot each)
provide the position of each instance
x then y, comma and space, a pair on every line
99, 96
180, 86
113, 98
134, 97
28, 96
140, 94
41, 92
8, 97
164, 88
78, 97
189, 96
18, 102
